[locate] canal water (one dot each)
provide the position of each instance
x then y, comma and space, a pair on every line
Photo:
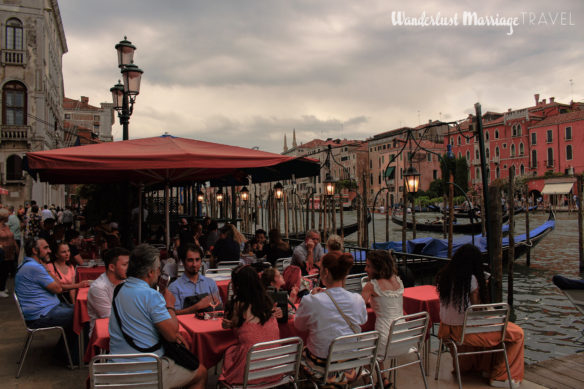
553, 327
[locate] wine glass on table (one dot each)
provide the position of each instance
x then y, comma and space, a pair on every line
215, 301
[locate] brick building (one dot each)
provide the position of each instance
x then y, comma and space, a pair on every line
80, 114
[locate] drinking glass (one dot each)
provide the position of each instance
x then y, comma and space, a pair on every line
215, 301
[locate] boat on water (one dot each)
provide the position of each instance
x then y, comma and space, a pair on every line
346, 230
439, 247
458, 228
467, 214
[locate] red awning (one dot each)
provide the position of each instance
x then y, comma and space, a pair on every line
3, 191
163, 159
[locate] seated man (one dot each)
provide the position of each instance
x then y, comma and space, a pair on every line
226, 248
37, 293
146, 315
308, 253
101, 292
192, 283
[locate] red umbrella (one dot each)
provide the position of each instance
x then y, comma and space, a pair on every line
3, 191
164, 159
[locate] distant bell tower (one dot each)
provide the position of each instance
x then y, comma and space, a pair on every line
285, 144
294, 138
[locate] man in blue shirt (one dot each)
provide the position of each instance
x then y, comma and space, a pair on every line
37, 293
146, 315
192, 283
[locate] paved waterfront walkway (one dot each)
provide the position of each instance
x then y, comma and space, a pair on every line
43, 370
560, 373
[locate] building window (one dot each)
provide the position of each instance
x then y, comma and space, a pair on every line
516, 130
96, 119
568, 133
487, 153
497, 172
476, 154
379, 178
14, 104
458, 141
467, 140
401, 173
67, 116
496, 134
371, 177
521, 149
497, 151
429, 157
550, 156
477, 173
522, 169
512, 150
468, 155
504, 145
434, 174
550, 136
533, 138
534, 159
569, 152
14, 34
14, 168
370, 164
487, 135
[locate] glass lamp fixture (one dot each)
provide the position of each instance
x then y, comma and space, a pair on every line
278, 191
200, 196
117, 95
132, 75
125, 52
244, 192
219, 195
412, 179
329, 185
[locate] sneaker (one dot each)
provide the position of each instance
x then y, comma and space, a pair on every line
504, 384
3, 294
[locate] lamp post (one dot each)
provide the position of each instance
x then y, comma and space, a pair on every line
278, 191
412, 182
124, 95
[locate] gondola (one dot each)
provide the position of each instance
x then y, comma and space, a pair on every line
458, 228
347, 230
439, 247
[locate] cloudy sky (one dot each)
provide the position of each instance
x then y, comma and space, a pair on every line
247, 72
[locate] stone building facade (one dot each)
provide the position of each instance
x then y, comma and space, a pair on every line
79, 114
32, 44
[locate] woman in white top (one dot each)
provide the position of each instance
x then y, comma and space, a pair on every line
460, 284
318, 315
384, 292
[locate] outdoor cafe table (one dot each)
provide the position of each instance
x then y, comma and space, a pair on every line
89, 273
80, 314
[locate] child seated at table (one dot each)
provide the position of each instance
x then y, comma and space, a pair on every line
461, 283
385, 292
250, 314
271, 278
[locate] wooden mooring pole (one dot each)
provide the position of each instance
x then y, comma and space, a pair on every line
413, 217
496, 253
527, 239
580, 226
511, 250
387, 216
365, 236
404, 219
450, 214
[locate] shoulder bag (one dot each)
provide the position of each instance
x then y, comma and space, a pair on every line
355, 328
173, 350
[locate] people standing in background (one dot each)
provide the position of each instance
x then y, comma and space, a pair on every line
15, 226
8, 252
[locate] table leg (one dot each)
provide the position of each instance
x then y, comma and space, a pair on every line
427, 345
81, 346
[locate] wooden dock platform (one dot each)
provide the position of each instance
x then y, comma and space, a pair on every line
559, 373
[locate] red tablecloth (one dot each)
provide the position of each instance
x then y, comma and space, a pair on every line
100, 338
80, 315
223, 285
89, 273
423, 298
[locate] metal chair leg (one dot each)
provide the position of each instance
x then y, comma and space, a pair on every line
67, 348
509, 379
438, 360
422, 369
456, 365
20, 362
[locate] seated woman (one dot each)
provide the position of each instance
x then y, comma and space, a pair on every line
271, 278
320, 317
385, 293
277, 248
249, 314
461, 284
247, 254
62, 270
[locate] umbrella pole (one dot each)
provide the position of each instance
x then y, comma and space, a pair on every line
140, 213
167, 214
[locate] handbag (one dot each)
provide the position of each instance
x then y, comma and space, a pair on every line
280, 297
355, 328
172, 350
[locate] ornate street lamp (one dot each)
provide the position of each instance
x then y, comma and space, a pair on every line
124, 95
244, 192
412, 179
329, 185
278, 191
200, 196
219, 196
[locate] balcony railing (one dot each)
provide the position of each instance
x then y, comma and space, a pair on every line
14, 133
549, 163
13, 57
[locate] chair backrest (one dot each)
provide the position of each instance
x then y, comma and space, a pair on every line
19, 309
283, 263
352, 351
114, 371
364, 281
483, 318
228, 264
353, 282
267, 361
406, 332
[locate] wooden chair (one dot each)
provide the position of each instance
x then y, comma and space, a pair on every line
30, 335
358, 351
406, 335
478, 319
275, 363
108, 371
353, 282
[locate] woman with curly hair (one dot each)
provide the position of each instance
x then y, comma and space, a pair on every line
462, 284
385, 293
250, 315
